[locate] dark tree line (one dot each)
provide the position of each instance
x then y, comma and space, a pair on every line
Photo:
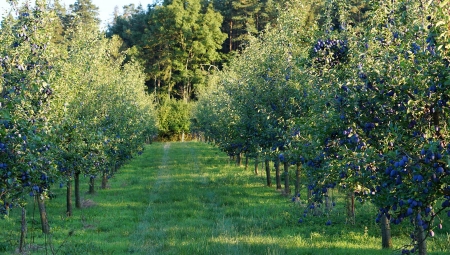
180, 42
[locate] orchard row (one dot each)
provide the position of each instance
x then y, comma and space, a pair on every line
356, 104
69, 107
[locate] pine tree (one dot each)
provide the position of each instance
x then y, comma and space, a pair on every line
85, 13
245, 17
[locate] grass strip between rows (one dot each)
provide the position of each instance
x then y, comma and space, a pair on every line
188, 198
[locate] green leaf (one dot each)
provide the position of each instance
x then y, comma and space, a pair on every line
5, 114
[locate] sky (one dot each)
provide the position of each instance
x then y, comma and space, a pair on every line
106, 7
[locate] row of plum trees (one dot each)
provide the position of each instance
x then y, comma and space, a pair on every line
358, 103
68, 108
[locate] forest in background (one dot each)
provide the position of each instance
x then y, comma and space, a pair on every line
181, 42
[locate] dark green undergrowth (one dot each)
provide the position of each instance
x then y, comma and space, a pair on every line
188, 198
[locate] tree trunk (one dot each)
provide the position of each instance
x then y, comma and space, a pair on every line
77, 190
351, 207
297, 179
287, 190
43, 213
269, 181
421, 239
92, 185
386, 240
277, 173
238, 159
23, 230
256, 164
104, 179
69, 198
231, 37
6, 208
246, 161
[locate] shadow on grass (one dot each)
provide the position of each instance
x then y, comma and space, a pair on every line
196, 204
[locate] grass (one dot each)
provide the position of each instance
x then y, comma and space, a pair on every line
187, 198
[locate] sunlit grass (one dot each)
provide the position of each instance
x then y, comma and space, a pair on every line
187, 198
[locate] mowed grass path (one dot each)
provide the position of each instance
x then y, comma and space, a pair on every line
197, 206
199, 203
187, 198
